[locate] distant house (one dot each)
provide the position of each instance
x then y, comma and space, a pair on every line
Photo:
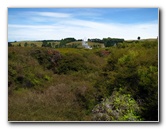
85, 45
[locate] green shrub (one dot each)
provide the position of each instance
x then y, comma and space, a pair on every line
66, 83
149, 44
24, 70
118, 107
71, 63
48, 58
134, 69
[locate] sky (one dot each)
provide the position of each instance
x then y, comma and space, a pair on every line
80, 23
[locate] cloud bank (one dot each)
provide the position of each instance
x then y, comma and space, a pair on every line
56, 25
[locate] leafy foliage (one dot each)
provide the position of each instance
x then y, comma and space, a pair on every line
46, 44
63, 42
118, 107
135, 69
66, 83
111, 41
21, 75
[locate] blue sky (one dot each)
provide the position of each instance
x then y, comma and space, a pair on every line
58, 23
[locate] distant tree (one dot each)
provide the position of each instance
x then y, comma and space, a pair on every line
49, 45
19, 44
33, 45
63, 42
10, 45
57, 46
112, 41
53, 44
44, 44
96, 40
74, 45
139, 38
26, 44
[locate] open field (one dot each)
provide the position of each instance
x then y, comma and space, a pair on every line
101, 45
37, 43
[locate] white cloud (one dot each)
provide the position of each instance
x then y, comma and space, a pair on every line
81, 28
53, 14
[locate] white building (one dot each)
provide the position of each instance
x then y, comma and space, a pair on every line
85, 44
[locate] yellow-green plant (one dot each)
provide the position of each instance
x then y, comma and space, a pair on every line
117, 107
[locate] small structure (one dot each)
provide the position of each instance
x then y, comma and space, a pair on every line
85, 44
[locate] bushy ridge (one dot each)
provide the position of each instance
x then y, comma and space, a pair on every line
118, 83
134, 69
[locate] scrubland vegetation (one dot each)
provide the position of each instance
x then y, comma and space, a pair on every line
115, 83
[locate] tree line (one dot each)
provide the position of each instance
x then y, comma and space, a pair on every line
108, 42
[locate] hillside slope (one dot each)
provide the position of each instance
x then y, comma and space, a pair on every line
70, 84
